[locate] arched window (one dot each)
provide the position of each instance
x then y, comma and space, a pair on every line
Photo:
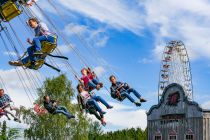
189, 135
172, 135
158, 135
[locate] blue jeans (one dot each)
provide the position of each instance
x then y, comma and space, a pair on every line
25, 60
37, 45
62, 110
93, 83
95, 104
126, 94
100, 99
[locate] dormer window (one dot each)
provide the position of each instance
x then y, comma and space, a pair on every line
158, 137
189, 135
172, 135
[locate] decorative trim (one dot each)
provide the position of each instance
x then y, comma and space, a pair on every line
185, 100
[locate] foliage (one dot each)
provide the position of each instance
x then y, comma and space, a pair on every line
57, 127
126, 134
8, 133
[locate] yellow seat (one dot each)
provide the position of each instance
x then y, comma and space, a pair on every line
38, 65
48, 47
9, 10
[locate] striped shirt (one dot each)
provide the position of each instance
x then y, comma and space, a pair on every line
4, 99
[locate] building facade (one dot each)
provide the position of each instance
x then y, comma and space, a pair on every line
177, 118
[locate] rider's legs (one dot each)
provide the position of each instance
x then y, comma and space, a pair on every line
134, 92
37, 41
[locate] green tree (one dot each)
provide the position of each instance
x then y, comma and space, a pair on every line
57, 127
9, 133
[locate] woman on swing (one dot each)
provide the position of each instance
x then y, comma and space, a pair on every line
89, 102
90, 80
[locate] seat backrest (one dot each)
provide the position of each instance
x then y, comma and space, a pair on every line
9, 10
48, 47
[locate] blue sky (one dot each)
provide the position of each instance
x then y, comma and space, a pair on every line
128, 37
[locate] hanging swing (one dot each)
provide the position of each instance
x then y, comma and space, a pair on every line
9, 10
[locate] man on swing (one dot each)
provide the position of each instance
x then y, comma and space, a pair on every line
52, 107
42, 33
121, 91
7, 108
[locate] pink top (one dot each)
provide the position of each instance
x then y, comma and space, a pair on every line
86, 79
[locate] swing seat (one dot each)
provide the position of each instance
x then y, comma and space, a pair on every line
47, 48
39, 64
39, 110
9, 10
2, 113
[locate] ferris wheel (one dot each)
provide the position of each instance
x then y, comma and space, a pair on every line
175, 68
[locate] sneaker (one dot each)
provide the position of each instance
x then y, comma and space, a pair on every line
15, 63
142, 100
71, 117
103, 122
102, 112
17, 120
110, 107
137, 103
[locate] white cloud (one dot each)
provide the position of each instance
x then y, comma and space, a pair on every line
95, 37
75, 28
145, 61
99, 71
10, 53
188, 21
116, 14
206, 105
16, 89
124, 116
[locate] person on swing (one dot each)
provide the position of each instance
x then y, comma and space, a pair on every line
89, 102
5, 105
121, 90
90, 80
42, 33
52, 107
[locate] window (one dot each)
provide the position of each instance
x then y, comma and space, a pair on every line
189, 137
172, 137
158, 137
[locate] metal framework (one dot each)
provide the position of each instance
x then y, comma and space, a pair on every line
175, 68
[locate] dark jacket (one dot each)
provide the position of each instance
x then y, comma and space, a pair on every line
80, 102
49, 106
116, 87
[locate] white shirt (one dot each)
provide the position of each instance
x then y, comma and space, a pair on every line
85, 96
41, 30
